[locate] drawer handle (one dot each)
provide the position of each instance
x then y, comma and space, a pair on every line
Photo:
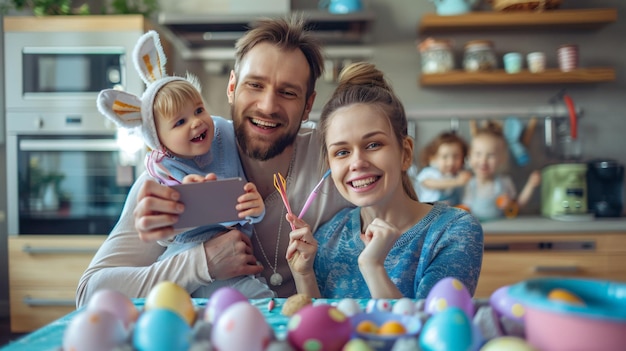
57, 250
556, 269
49, 302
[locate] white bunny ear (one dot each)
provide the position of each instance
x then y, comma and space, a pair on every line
149, 57
120, 107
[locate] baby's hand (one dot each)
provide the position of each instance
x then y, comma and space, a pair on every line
463, 177
534, 179
197, 178
251, 203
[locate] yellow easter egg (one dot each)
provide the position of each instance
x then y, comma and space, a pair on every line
565, 296
367, 326
171, 296
392, 328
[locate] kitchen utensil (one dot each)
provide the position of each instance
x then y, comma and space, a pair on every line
564, 192
605, 185
599, 323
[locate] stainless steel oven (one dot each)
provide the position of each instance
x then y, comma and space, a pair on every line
67, 174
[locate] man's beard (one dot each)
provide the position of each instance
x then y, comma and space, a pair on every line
259, 153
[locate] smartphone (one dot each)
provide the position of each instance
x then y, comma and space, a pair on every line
209, 202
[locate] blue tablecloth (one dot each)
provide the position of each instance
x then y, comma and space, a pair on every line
50, 337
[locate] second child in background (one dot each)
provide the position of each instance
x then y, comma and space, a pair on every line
187, 144
442, 177
491, 193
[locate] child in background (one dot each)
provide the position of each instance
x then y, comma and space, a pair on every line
390, 245
491, 194
442, 177
187, 143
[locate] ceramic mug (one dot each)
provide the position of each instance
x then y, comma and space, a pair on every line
512, 62
341, 6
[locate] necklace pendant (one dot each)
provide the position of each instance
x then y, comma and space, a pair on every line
276, 279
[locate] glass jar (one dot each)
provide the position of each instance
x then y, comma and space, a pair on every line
436, 56
479, 56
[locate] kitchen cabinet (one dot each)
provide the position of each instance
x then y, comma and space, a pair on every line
584, 19
43, 275
511, 258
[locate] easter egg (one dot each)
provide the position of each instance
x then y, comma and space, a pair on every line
378, 305
507, 343
449, 292
241, 327
160, 329
169, 295
450, 329
116, 303
94, 331
357, 345
566, 296
505, 305
392, 327
404, 306
349, 307
367, 326
319, 327
220, 300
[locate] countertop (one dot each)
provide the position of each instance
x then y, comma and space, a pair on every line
539, 224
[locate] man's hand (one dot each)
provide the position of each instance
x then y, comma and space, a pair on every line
230, 255
156, 211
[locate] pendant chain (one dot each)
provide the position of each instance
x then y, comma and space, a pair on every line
276, 278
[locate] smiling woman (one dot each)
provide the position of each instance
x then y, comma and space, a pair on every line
391, 245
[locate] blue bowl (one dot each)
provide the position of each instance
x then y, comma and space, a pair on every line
412, 325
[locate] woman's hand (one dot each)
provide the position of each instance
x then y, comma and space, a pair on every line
301, 255
379, 238
302, 247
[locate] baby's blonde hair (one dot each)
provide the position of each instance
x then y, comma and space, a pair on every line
173, 97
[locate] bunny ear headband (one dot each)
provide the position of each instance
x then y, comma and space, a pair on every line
130, 111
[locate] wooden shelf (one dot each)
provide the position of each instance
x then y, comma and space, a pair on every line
485, 20
550, 76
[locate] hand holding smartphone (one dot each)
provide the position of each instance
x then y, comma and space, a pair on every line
209, 202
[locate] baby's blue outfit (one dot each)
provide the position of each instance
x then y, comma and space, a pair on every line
424, 194
447, 242
482, 202
223, 160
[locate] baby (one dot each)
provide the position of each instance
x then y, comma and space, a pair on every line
443, 177
187, 143
491, 194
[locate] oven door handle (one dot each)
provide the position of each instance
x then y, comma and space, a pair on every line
69, 145
57, 250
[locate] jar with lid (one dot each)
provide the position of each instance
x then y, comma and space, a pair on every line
436, 55
479, 56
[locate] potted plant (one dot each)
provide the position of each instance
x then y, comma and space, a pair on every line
64, 7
